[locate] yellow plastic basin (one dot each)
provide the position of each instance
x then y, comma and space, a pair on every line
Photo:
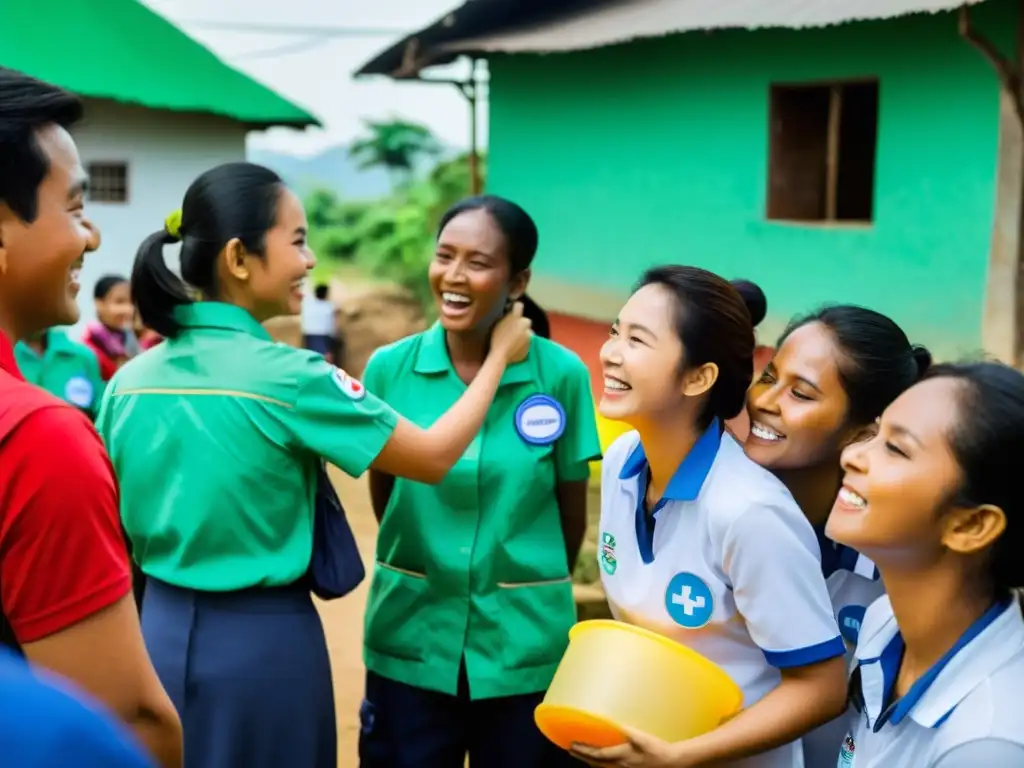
615, 674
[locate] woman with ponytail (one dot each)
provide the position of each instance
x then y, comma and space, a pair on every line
219, 437
471, 602
834, 372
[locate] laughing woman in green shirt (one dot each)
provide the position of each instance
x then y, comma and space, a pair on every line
217, 437
63, 368
471, 600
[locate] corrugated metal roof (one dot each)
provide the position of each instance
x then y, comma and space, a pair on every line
617, 22
138, 57
406, 57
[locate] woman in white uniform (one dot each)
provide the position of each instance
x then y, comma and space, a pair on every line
935, 500
833, 373
699, 543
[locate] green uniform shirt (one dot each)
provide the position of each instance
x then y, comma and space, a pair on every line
66, 369
476, 564
215, 436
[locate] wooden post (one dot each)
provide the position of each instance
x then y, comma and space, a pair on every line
1003, 317
475, 185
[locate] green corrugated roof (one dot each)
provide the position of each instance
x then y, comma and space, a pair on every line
120, 49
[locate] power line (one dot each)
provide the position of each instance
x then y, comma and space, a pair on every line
293, 29
306, 44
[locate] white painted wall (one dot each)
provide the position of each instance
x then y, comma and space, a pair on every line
165, 151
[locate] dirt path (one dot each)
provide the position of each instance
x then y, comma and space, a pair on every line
343, 622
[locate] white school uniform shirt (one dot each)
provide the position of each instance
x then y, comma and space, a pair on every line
317, 316
853, 585
965, 712
731, 569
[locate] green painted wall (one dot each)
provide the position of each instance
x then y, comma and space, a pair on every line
656, 151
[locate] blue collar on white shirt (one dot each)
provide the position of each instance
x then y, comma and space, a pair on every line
685, 484
838, 557
988, 643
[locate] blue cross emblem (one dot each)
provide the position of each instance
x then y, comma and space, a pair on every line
689, 601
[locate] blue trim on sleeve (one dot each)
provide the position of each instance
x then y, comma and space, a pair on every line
802, 657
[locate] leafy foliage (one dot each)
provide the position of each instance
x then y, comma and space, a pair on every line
392, 238
395, 145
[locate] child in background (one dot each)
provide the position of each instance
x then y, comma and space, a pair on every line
319, 323
110, 336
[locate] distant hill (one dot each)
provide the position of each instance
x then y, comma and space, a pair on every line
331, 169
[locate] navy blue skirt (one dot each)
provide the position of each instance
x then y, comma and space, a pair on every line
248, 672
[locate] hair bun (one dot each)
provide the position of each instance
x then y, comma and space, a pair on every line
754, 298
922, 357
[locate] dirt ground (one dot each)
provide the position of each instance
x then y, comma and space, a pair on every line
343, 622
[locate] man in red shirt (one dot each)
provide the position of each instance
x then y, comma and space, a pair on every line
65, 583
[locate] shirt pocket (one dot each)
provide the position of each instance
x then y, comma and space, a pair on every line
397, 616
536, 618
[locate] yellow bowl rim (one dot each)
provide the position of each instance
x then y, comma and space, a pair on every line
586, 626
605, 721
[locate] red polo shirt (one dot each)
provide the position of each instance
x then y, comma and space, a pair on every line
62, 553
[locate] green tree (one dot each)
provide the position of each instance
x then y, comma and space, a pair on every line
395, 145
392, 238
321, 208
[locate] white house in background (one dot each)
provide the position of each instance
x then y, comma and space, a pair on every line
160, 109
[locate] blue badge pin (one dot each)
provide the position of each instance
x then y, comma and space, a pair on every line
540, 420
850, 618
79, 391
689, 601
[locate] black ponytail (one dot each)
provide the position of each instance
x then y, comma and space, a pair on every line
156, 290
533, 312
234, 200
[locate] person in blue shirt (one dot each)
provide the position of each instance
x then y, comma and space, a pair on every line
935, 500
44, 726
833, 373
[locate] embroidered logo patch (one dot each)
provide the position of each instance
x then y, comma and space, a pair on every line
350, 387
607, 554
847, 753
79, 391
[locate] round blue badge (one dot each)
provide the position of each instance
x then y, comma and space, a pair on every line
850, 618
79, 391
540, 420
689, 601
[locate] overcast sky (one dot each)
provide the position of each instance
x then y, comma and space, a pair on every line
318, 76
